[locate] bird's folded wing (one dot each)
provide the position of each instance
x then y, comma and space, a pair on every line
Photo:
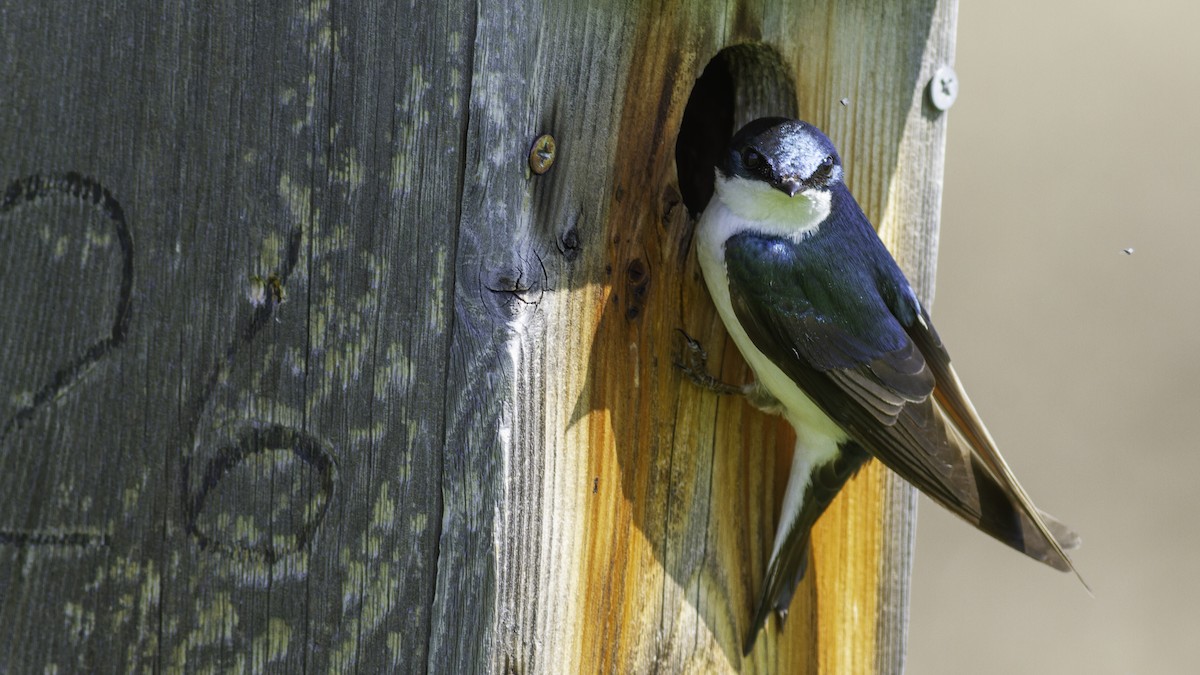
871, 361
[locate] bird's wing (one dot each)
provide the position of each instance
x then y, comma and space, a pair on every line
872, 362
952, 402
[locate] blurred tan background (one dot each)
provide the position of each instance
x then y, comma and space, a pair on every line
1076, 134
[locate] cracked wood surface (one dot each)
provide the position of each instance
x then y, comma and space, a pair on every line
304, 370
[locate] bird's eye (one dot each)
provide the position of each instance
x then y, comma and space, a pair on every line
828, 161
751, 158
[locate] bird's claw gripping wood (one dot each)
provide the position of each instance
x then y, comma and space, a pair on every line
694, 364
693, 361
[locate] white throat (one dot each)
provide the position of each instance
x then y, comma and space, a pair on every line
763, 208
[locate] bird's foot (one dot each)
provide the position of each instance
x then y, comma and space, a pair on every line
693, 361
694, 364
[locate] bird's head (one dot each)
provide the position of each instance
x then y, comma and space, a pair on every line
776, 165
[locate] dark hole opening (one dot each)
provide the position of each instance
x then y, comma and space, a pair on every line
706, 128
741, 83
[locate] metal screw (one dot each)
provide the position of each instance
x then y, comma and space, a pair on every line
541, 155
943, 88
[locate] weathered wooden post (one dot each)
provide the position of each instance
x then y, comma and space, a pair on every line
305, 368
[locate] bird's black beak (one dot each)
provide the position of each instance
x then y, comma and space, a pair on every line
789, 186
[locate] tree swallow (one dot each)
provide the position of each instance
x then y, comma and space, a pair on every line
842, 348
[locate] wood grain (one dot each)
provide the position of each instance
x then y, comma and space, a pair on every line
369, 394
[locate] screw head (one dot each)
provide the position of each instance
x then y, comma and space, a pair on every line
541, 155
943, 88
